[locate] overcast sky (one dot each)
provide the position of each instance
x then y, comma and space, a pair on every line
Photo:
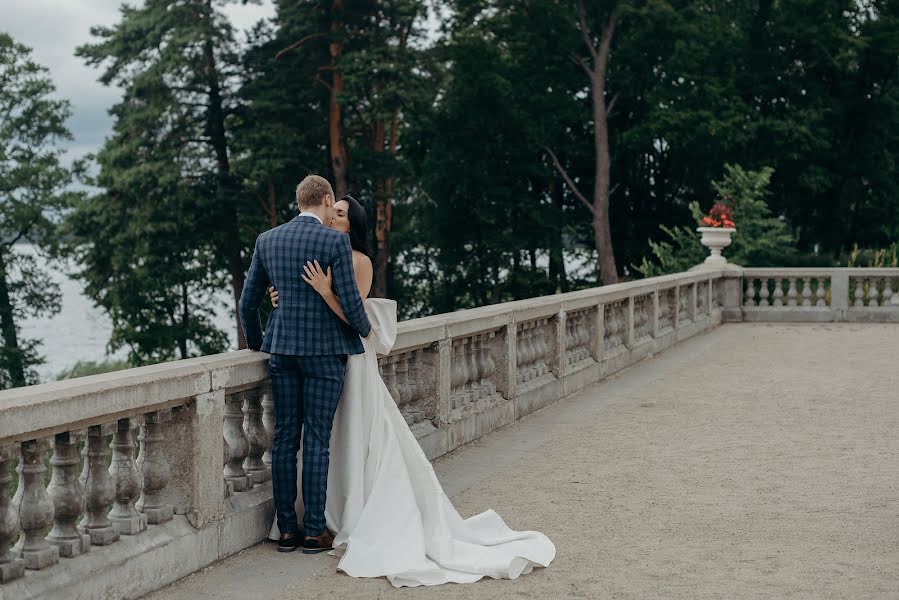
54, 28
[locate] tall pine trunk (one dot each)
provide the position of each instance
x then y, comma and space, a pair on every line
336, 143
225, 193
602, 230
384, 141
8, 331
557, 273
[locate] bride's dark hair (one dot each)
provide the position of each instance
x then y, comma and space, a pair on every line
358, 225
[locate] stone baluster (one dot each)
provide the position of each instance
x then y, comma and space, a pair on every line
806, 291
763, 293
638, 318
610, 321
666, 316
154, 470
479, 368
534, 348
257, 437
887, 291
124, 517
645, 312
68, 502
99, 489
519, 354
894, 296
458, 374
873, 292
778, 292
527, 354
268, 420
821, 293
859, 293
388, 372
607, 327
672, 308
413, 362
584, 333
36, 508
663, 301
11, 566
750, 292
488, 365
404, 381
236, 443
401, 368
542, 349
227, 486
792, 293
474, 378
573, 341
465, 364
611, 324
413, 391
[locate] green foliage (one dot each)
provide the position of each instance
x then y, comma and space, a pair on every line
877, 258
32, 196
761, 239
211, 137
162, 237
90, 367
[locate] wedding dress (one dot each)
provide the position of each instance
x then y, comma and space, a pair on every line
389, 512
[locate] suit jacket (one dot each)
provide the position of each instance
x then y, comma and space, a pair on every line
302, 325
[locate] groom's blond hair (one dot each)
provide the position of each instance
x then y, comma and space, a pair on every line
312, 190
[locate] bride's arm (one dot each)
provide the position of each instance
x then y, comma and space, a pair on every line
322, 282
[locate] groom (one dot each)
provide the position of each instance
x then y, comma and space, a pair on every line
308, 345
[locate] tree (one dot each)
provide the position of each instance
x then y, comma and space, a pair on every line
32, 195
165, 233
596, 67
374, 71
178, 65
281, 124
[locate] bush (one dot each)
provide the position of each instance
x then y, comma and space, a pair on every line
89, 367
761, 239
874, 258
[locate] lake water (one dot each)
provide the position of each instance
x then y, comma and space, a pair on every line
80, 331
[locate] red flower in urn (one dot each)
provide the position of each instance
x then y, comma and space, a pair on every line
721, 215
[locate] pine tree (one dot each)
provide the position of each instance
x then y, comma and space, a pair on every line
171, 207
33, 193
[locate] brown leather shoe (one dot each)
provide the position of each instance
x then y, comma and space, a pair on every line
314, 544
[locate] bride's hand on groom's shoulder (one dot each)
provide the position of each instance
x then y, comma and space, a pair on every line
319, 279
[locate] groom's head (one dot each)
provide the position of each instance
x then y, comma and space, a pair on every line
314, 194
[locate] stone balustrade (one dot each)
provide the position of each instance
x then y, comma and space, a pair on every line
157, 472
821, 295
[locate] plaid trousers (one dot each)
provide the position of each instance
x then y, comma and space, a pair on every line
305, 390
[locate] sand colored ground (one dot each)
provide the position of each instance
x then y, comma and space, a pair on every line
756, 461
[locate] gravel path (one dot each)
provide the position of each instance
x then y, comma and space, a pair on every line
756, 461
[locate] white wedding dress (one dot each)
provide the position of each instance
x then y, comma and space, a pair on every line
384, 502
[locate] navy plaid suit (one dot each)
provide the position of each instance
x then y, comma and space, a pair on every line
309, 345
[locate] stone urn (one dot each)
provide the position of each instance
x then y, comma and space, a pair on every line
715, 239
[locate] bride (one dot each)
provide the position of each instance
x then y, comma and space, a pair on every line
388, 512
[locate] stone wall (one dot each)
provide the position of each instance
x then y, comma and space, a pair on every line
112, 524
